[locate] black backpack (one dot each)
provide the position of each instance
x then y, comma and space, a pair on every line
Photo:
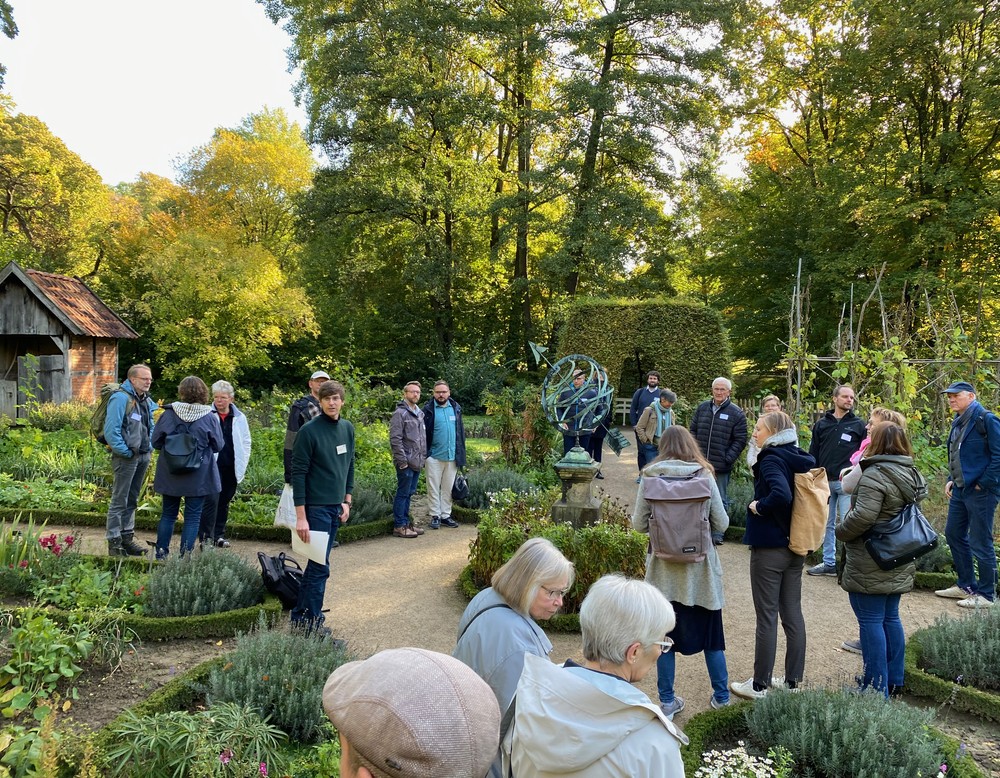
282, 577
180, 451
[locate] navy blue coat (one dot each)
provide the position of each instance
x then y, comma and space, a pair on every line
203, 481
774, 489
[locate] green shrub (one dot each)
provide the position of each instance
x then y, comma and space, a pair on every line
43, 654
27, 558
266, 468
847, 734
73, 415
47, 493
740, 496
229, 739
368, 505
966, 651
282, 676
491, 481
209, 582
85, 587
938, 560
610, 546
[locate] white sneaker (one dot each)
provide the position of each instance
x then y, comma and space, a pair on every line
746, 690
955, 592
716, 704
975, 601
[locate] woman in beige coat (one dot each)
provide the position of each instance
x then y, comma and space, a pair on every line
694, 589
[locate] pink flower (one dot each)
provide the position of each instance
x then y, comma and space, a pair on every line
69, 540
24, 563
263, 768
226, 756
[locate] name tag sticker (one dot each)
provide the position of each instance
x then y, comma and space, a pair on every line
451, 418
342, 448
845, 436
135, 416
723, 415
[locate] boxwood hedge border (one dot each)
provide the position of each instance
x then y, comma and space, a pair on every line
346, 534
923, 684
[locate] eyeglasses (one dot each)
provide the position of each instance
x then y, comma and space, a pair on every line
554, 594
665, 645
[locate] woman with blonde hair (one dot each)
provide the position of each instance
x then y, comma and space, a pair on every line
775, 571
769, 404
500, 626
889, 482
694, 589
849, 477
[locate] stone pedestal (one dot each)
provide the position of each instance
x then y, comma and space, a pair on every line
579, 504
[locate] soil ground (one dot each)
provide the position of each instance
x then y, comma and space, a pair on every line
389, 592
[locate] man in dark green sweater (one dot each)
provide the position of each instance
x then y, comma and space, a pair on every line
322, 482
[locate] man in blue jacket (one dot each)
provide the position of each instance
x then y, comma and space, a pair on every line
445, 453
973, 490
641, 399
128, 426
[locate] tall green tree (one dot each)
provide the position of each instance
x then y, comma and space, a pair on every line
252, 176
53, 205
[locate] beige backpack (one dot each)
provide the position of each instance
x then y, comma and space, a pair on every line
810, 509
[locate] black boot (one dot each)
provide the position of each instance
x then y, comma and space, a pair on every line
129, 546
115, 547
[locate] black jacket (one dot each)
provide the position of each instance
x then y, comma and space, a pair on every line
459, 430
722, 435
774, 490
834, 440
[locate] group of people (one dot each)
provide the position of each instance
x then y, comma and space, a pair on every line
219, 436
871, 478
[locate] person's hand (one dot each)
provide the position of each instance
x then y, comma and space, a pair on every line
302, 528
752, 507
947, 489
345, 515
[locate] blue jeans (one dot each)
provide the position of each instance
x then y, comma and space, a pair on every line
715, 661
647, 453
406, 487
129, 473
969, 532
839, 503
308, 611
722, 481
882, 639
192, 520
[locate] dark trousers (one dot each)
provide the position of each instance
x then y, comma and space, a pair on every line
776, 586
215, 513
308, 611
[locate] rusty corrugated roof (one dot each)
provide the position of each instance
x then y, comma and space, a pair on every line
80, 304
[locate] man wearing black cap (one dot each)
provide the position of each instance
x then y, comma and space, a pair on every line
973, 490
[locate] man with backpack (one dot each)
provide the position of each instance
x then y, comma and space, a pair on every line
972, 490
128, 425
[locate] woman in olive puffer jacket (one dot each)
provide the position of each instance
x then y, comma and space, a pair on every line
889, 482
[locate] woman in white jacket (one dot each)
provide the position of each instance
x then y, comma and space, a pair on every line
588, 720
232, 463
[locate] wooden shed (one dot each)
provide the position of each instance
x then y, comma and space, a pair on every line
63, 325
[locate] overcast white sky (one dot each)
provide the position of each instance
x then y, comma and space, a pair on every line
130, 85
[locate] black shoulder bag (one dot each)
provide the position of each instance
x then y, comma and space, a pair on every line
903, 538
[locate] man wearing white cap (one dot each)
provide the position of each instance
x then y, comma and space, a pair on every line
973, 490
304, 409
412, 712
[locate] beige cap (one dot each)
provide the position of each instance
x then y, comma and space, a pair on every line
319, 374
412, 712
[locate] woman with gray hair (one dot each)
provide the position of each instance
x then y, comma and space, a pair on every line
232, 463
589, 720
498, 628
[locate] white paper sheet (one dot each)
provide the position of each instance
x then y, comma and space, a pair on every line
315, 549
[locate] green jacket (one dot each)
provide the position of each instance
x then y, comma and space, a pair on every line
877, 498
323, 462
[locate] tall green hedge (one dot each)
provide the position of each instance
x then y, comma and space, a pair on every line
684, 341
